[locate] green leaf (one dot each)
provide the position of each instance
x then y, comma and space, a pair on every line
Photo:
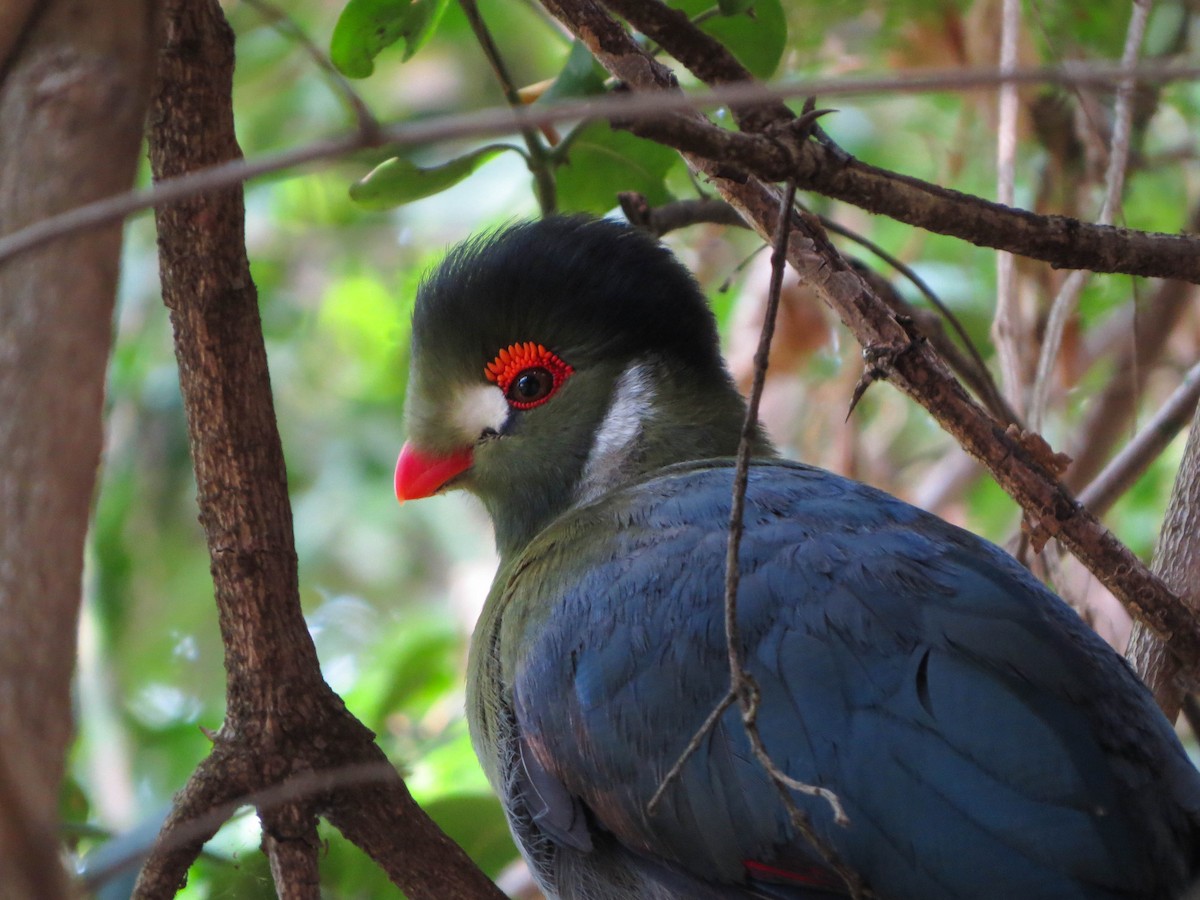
733, 7
601, 162
398, 181
581, 76
757, 36
367, 27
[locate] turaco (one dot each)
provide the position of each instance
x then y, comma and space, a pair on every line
983, 742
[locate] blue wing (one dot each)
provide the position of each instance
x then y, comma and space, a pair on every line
983, 741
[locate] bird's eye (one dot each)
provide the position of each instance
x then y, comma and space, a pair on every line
528, 374
530, 386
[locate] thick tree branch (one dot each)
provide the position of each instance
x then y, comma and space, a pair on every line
283, 724
1023, 465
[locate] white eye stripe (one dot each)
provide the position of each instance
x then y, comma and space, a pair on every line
478, 408
632, 403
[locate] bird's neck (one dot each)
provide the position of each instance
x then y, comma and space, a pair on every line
654, 418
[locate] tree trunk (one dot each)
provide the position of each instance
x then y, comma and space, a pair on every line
76, 79
1177, 563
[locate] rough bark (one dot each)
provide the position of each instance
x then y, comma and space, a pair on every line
76, 79
287, 746
1177, 563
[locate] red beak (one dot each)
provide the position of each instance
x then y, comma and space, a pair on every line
421, 475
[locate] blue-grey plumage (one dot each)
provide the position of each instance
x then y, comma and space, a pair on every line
982, 740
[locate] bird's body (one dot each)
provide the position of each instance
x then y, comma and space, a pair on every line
982, 741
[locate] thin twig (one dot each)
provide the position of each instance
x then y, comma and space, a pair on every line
281, 20
538, 159
626, 106
692, 746
749, 429
743, 687
1128, 465
1065, 303
1007, 327
742, 683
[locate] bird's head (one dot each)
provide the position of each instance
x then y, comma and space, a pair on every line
554, 360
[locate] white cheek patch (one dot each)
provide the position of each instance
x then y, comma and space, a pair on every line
617, 437
477, 408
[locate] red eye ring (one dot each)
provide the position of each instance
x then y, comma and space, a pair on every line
531, 361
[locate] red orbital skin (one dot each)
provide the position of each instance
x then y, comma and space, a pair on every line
518, 358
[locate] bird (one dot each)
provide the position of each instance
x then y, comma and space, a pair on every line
963, 733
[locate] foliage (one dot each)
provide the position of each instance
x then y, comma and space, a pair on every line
390, 594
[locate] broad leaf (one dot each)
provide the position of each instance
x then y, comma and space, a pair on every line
581, 76
366, 27
602, 161
757, 37
733, 7
397, 181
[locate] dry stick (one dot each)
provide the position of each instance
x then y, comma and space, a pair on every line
1057, 239
539, 163
742, 686
742, 683
1008, 331
1128, 465
282, 21
1114, 186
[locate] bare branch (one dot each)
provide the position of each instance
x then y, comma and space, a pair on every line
742, 683
1058, 239
539, 163
291, 844
1120, 474
1065, 303
660, 220
1022, 464
1143, 332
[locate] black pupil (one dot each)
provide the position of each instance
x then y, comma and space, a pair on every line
530, 385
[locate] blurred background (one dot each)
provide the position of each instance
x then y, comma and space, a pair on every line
391, 593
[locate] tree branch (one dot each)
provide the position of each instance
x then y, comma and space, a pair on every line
1067, 299
1022, 464
1135, 457
1060, 240
283, 723
538, 159
1177, 560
